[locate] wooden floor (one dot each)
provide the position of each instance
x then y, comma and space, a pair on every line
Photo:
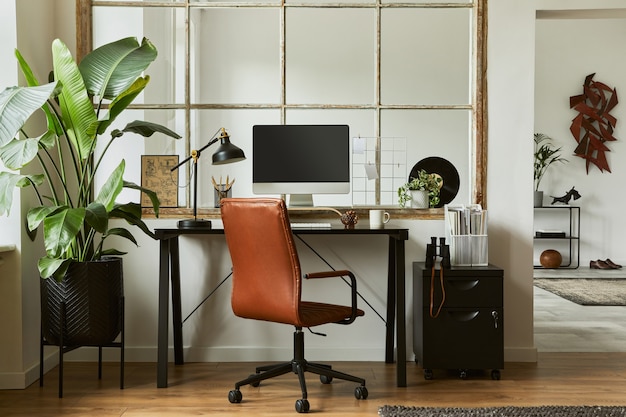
198, 389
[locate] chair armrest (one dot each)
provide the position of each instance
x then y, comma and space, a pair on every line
342, 273
328, 274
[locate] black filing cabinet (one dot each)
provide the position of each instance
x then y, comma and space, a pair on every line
465, 332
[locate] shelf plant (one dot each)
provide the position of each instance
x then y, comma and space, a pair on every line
431, 183
545, 155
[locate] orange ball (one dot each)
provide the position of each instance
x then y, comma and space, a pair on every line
550, 258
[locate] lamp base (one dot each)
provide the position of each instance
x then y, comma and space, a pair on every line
194, 224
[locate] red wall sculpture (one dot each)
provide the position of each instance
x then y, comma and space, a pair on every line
594, 124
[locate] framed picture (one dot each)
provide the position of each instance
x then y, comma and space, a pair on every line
156, 175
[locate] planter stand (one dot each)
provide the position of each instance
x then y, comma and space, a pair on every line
64, 349
85, 309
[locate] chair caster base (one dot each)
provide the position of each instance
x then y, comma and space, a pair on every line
360, 393
235, 396
302, 406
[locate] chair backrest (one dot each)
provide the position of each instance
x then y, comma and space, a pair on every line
266, 270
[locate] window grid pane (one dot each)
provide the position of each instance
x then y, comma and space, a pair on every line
210, 63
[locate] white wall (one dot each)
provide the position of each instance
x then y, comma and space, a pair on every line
569, 47
10, 271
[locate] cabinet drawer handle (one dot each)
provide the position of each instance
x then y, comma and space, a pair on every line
463, 284
463, 315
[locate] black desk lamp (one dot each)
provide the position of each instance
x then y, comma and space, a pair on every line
225, 154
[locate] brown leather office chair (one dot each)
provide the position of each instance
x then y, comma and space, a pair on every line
267, 284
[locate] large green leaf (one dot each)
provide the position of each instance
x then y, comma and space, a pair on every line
77, 112
97, 217
112, 68
131, 212
36, 215
31, 80
120, 231
146, 129
61, 228
121, 102
112, 187
53, 267
19, 152
154, 199
8, 181
17, 104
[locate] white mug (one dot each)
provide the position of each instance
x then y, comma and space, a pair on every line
378, 218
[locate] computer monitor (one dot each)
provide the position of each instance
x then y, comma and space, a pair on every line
300, 160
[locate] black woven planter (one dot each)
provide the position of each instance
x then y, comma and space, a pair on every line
90, 299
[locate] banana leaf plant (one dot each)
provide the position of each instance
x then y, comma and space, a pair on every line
80, 106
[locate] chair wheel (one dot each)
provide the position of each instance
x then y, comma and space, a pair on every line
325, 379
235, 396
428, 374
302, 406
361, 393
495, 374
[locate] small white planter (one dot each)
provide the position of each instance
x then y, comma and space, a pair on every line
419, 199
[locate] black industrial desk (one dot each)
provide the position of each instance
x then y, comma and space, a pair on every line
169, 267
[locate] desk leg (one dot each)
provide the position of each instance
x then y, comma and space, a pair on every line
177, 316
162, 339
401, 311
391, 301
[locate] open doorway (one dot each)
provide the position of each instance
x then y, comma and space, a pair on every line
569, 46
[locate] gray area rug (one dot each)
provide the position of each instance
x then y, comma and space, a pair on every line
587, 291
543, 411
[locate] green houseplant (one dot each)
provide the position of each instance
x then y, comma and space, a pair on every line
431, 183
75, 219
83, 304
545, 155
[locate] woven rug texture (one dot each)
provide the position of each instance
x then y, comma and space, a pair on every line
543, 411
587, 291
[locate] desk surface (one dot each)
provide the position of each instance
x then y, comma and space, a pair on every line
397, 233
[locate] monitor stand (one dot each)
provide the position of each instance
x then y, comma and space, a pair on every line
300, 200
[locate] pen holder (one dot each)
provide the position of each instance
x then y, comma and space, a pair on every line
221, 191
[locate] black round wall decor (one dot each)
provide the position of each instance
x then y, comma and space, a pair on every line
443, 168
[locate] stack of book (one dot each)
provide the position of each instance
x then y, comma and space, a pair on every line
466, 232
550, 234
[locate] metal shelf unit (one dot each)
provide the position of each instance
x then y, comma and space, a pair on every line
571, 239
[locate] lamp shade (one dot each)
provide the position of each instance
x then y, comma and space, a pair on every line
227, 153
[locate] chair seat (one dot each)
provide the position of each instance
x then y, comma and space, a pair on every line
315, 314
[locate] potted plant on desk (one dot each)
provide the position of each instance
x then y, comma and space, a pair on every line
422, 191
87, 278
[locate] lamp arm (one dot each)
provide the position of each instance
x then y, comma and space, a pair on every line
196, 154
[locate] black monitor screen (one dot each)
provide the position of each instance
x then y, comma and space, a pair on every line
301, 154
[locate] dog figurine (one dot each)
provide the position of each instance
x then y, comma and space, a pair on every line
567, 197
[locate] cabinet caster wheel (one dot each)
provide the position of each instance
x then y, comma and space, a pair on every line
325, 379
234, 396
495, 374
360, 393
302, 406
428, 374
463, 374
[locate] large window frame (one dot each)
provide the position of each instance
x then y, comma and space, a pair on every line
476, 107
